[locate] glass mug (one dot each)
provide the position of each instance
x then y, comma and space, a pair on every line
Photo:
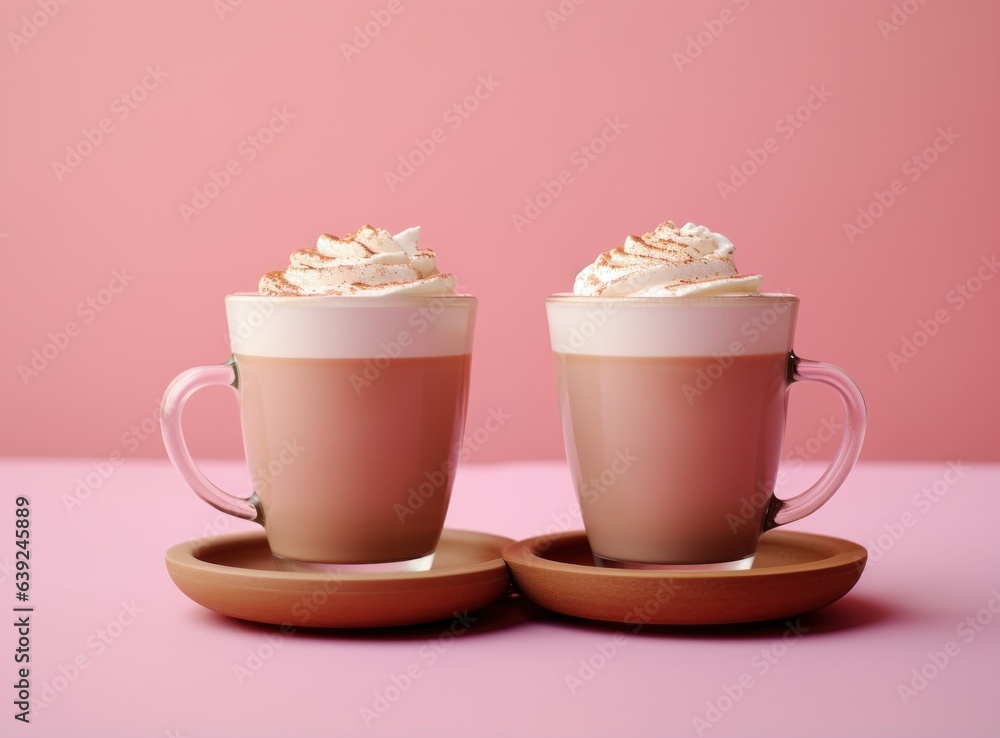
352, 410
673, 414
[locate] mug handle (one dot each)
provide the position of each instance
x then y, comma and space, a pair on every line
185, 385
779, 511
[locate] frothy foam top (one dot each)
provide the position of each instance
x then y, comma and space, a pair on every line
669, 261
380, 328
706, 326
369, 262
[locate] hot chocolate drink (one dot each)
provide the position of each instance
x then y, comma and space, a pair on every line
352, 368
668, 357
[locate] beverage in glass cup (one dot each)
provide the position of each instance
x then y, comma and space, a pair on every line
673, 374
352, 371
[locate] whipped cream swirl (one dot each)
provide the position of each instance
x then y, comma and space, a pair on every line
690, 260
369, 262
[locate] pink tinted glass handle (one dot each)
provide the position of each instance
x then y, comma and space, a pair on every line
185, 385
803, 370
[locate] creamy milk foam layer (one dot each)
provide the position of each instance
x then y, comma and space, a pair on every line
332, 327
369, 262
690, 260
672, 326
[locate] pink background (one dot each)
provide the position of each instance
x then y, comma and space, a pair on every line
65, 235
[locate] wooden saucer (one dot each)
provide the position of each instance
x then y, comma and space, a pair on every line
793, 573
235, 575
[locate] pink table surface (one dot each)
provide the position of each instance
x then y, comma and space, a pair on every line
117, 650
